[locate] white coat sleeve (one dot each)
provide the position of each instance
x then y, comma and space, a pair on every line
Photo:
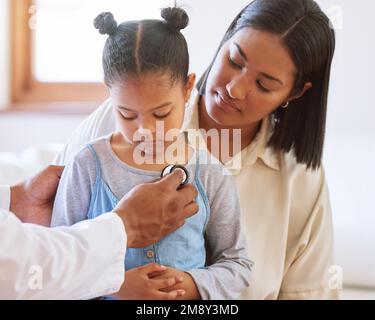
4, 197
100, 123
79, 262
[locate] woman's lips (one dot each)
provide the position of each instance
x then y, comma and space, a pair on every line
225, 104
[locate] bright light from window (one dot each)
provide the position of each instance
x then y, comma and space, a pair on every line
67, 47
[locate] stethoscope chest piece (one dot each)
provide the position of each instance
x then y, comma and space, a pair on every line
169, 169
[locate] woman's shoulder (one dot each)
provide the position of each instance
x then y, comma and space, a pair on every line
308, 202
298, 173
306, 190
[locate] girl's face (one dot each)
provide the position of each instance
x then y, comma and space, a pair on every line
252, 76
139, 103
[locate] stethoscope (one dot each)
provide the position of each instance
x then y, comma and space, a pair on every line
169, 169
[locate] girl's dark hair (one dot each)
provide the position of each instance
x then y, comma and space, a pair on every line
137, 47
308, 36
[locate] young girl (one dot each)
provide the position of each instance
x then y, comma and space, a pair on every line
146, 66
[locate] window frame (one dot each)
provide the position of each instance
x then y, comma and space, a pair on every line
25, 89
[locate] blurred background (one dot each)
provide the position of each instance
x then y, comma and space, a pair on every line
50, 80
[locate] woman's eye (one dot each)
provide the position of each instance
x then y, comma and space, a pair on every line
234, 64
261, 87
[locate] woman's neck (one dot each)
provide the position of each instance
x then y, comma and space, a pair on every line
248, 133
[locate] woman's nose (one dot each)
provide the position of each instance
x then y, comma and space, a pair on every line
238, 88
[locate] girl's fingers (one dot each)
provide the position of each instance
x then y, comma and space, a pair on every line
170, 295
179, 279
156, 274
152, 267
166, 283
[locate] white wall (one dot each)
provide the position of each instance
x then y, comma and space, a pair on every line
350, 143
4, 53
351, 109
19, 131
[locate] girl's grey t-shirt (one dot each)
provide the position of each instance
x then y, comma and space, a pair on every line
228, 267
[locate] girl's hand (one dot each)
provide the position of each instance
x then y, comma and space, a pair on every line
139, 285
188, 285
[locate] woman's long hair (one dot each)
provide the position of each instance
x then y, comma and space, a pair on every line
307, 34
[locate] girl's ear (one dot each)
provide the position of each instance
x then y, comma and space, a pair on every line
189, 86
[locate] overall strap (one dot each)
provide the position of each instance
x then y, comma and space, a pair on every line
97, 162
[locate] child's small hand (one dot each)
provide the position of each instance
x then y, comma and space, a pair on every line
188, 285
139, 285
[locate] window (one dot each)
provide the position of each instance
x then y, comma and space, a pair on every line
57, 51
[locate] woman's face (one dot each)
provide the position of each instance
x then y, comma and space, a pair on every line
252, 76
140, 103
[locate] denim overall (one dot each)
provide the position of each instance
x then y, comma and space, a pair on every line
184, 249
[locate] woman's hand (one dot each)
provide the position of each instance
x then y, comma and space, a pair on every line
188, 285
139, 285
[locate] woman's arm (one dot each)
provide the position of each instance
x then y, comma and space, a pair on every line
228, 267
309, 269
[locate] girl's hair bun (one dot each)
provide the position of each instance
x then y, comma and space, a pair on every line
176, 18
106, 23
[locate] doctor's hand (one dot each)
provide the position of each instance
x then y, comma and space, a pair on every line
151, 211
139, 284
32, 201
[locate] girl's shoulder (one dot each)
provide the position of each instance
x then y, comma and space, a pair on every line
212, 174
209, 165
